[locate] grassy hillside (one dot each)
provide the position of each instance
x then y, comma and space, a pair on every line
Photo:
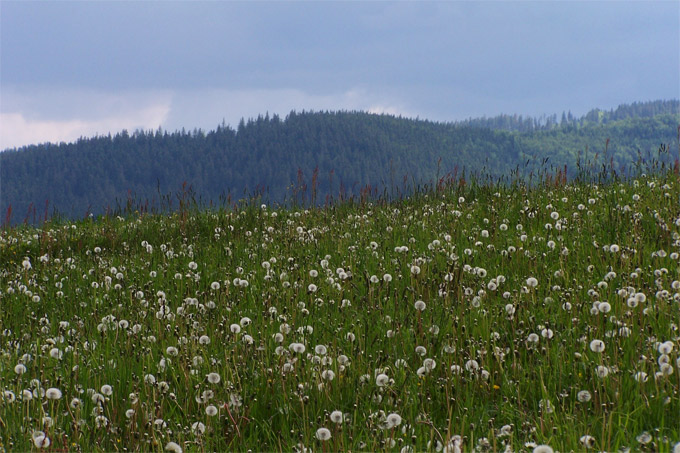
471, 317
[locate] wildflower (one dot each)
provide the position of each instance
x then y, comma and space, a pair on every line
20, 368
666, 369
644, 438
393, 420
597, 346
532, 282
640, 376
328, 375
40, 439
420, 305
587, 441
666, 347
159, 424
429, 364
211, 411
543, 449
214, 378
101, 422
472, 365
173, 447
297, 348
320, 349
336, 417
107, 390
382, 380
583, 396
53, 394
235, 328
204, 339
198, 428
323, 434
9, 396
602, 371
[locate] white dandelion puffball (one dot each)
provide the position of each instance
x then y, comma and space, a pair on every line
597, 346
323, 434
583, 396
214, 378
40, 440
393, 420
336, 417
173, 447
420, 305
198, 428
543, 449
532, 282
382, 380
53, 394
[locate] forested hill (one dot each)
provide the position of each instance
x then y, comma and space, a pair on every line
334, 152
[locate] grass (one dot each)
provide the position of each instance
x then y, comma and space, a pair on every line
151, 305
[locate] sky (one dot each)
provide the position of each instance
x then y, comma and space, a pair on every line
71, 69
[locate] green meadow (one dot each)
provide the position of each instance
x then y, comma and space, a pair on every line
467, 317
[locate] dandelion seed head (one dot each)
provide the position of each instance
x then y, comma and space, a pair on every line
53, 393
323, 434
336, 417
173, 447
597, 346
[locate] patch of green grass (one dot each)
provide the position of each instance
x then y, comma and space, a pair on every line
478, 304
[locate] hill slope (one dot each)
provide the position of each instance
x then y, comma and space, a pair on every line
328, 153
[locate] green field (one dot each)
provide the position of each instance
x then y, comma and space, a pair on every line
470, 317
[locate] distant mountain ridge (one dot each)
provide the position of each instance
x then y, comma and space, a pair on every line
319, 154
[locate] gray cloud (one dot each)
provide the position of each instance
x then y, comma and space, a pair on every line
443, 61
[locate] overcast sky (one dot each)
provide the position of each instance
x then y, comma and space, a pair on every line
71, 69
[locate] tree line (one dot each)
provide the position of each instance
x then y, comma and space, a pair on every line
314, 157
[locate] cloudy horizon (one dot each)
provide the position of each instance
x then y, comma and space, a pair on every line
72, 69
